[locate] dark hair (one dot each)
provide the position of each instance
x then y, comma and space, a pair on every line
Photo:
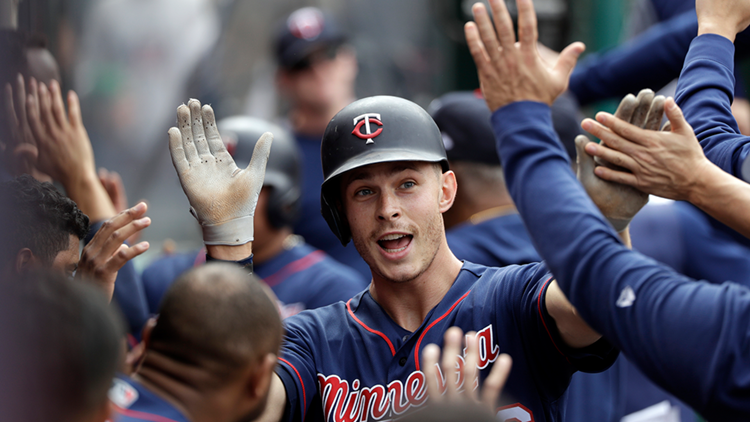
35, 215
61, 346
217, 316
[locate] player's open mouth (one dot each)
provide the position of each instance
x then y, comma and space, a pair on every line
396, 242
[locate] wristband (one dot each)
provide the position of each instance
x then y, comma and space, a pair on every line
246, 263
232, 233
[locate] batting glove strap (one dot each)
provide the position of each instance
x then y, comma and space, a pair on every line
233, 232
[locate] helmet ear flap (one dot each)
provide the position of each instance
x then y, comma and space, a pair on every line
330, 208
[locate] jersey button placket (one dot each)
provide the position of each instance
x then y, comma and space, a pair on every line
402, 361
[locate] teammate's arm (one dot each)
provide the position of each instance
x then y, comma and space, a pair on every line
274, 410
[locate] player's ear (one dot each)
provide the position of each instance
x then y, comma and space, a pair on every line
25, 259
448, 190
148, 328
261, 379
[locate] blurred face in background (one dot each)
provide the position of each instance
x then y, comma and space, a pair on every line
324, 79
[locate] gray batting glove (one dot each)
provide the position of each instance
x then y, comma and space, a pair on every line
222, 196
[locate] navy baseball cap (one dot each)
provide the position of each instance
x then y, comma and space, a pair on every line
464, 121
306, 31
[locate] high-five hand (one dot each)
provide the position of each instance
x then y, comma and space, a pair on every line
512, 71
222, 196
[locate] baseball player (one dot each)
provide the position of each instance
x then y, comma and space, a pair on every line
688, 337
210, 354
301, 277
386, 185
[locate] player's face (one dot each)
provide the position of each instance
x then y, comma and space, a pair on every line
66, 261
394, 212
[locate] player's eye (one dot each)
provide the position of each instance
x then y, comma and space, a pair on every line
363, 192
408, 184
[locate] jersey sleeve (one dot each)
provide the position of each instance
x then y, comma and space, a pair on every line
296, 368
705, 93
689, 337
553, 361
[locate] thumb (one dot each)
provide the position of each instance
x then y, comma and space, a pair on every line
676, 118
568, 58
257, 166
585, 162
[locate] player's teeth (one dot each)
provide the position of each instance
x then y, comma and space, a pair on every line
394, 250
393, 236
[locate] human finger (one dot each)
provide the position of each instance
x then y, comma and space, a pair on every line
607, 154
188, 145
451, 350
196, 125
630, 132
503, 23
74, 109
177, 151
125, 253
215, 144
568, 58
584, 161
10, 113
33, 116
527, 24
486, 31
616, 176
45, 110
58, 108
676, 118
471, 362
641, 109
495, 381
626, 108
655, 113
20, 101
118, 236
430, 356
608, 137
117, 223
477, 49
257, 166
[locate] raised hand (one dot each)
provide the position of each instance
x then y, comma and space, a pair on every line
19, 150
103, 257
619, 203
510, 71
65, 151
461, 375
722, 17
222, 196
664, 163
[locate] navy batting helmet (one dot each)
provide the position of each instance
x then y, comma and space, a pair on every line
240, 134
369, 131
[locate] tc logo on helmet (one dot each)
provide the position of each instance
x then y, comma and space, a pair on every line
365, 120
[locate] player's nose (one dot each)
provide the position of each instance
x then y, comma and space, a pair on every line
388, 206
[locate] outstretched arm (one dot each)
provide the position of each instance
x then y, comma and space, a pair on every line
706, 85
651, 313
670, 164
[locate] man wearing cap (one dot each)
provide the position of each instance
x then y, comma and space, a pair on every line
316, 75
387, 184
483, 225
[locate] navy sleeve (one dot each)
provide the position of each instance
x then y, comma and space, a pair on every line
689, 337
129, 292
651, 60
296, 368
705, 93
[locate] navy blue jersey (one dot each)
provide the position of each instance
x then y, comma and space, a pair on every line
689, 337
132, 402
302, 277
353, 362
495, 242
311, 224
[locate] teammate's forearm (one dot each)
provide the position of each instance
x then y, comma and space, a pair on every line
230, 252
725, 198
90, 196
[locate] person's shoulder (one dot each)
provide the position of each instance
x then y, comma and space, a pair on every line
132, 401
172, 265
508, 273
